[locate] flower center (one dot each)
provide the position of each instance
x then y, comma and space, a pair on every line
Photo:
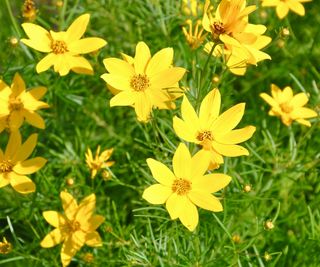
6, 166
286, 108
217, 28
73, 226
15, 104
139, 82
205, 135
96, 165
59, 47
181, 186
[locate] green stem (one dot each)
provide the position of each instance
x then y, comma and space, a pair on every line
62, 15
13, 20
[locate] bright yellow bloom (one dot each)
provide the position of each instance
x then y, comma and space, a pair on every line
14, 165
99, 161
64, 47
5, 246
143, 82
289, 107
75, 228
194, 36
283, 6
212, 131
186, 187
17, 105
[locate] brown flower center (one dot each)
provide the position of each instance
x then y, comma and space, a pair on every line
204, 136
59, 47
6, 166
73, 226
217, 28
181, 186
15, 104
139, 82
286, 108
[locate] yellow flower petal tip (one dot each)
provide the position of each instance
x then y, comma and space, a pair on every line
283, 7
289, 107
186, 187
75, 228
144, 82
64, 49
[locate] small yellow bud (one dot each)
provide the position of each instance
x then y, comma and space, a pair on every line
5, 246
236, 238
215, 79
106, 175
14, 41
267, 256
70, 182
285, 32
268, 225
59, 3
247, 188
281, 43
263, 14
88, 257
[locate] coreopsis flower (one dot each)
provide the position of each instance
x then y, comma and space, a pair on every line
99, 161
283, 6
145, 82
64, 48
15, 165
5, 246
213, 132
18, 105
29, 11
194, 36
289, 107
186, 187
75, 228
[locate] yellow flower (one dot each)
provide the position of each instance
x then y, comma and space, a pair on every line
213, 132
29, 11
287, 106
64, 47
75, 228
17, 105
283, 6
99, 161
5, 246
186, 187
191, 7
194, 36
14, 165
143, 82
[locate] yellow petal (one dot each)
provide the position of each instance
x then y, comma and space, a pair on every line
52, 239
161, 61
38, 92
303, 113
62, 65
93, 239
3, 180
77, 28
86, 45
26, 149
236, 136
143, 107
270, 2
210, 107
181, 162
157, 194
173, 206
86, 208
34, 119
211, 183
304, 122
118, 67
189, 115
141, 58
13, 145
286, 94
45, 63
161, 172
93, 223
16, 119
184, 130
54, 218
205, 19
18, 85
80, 65
21, 183
230, 150
29, 166
299, 100
296, 7
117, 81
167, 78
39, 37
282, 10
205, 201
68, 251
124, 98
69, 205
272, 102
78, 239
188, 214
228, 119
200, 162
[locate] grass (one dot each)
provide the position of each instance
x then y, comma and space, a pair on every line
283, 166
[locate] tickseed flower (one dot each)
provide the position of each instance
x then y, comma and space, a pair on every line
14, 165
18, 105
194, 36
5, 246
64, 48
99, 161
144, 82
283, 6
289, 107
29, 11
213, 132
75, 228
186, 187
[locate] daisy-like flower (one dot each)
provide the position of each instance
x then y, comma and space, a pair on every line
64, 48
194, 36
283, 6
18, 105
289, 107
29, 11
15, 165
5, 246
186, 187
100, 161
75, 228
143, 82
213, 132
